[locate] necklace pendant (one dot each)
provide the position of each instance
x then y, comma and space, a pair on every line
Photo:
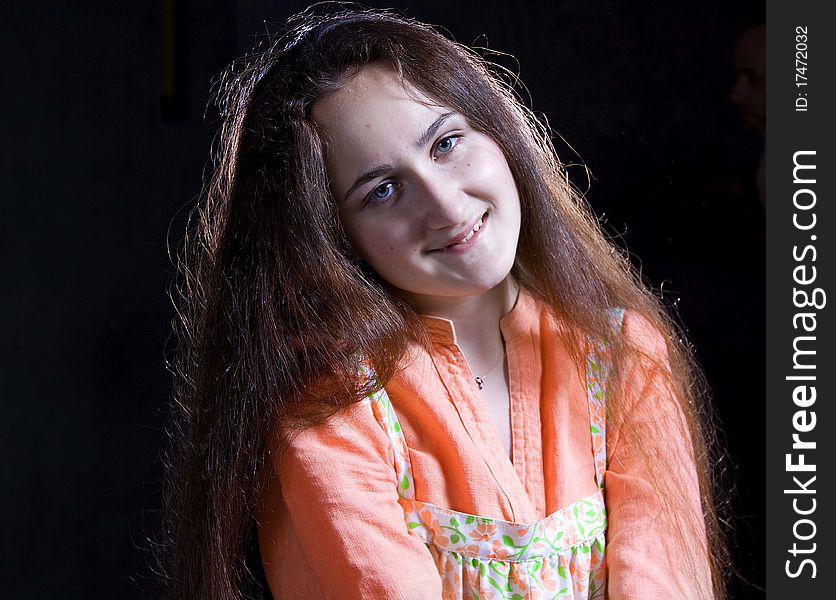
480, 382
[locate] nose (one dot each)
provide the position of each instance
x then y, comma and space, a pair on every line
441, 198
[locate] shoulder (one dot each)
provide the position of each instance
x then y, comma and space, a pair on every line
352, 435
645, 386
644, 341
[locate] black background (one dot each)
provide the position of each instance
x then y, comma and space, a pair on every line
96, 176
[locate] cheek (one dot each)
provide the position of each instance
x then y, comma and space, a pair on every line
489, 164
371, 243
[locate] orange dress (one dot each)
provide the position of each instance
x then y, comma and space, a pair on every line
332, 525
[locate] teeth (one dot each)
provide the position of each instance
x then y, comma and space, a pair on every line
473, 231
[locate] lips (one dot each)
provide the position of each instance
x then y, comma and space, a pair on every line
465, 237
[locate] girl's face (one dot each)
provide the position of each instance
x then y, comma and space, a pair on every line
427, 201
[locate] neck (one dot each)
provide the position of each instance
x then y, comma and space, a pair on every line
475, 320
467, 312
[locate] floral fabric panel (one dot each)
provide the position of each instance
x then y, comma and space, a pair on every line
597, 372
561, 556
398, 453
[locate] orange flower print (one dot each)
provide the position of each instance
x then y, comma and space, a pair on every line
486, 594
402, 447
498, 551
580, 575
472, 549
410, 506
447, 590
517, 576
596, 559
435, 528
547, 577
376, 412
483, 531
533, 594
451, 584
449, 569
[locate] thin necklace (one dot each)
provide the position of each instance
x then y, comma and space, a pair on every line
480, 379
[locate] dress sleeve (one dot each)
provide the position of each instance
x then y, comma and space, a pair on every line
339, 502
656, 542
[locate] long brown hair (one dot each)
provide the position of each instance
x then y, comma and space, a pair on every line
273, 302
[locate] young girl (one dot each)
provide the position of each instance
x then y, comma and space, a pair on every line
411, 366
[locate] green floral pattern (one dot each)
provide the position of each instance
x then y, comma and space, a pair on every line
559, 557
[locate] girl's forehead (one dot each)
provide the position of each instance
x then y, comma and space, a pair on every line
378, 104
376, 87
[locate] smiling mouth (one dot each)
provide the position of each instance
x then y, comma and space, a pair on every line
465, 237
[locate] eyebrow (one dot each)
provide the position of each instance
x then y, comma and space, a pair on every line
431, 130
383, 169
366, 177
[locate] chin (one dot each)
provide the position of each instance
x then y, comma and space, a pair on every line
490, 283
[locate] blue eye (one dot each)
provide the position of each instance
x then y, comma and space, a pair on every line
381, 193
446, 145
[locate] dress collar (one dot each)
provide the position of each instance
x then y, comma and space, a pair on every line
515, 322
